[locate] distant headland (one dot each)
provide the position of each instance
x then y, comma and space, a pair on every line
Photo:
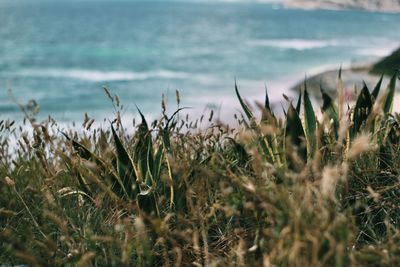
371, 5
353, 75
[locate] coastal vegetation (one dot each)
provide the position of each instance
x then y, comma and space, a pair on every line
301, 189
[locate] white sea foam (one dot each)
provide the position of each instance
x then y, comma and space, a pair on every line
296, 44
102, 76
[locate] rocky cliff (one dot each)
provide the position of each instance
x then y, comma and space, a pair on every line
372, 5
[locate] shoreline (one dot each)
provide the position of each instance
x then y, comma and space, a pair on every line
354, 75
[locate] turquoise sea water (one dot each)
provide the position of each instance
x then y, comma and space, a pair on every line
61, 53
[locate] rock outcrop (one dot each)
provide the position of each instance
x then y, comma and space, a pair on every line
372, 5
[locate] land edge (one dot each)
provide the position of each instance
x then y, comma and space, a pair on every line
353, 77
371, 6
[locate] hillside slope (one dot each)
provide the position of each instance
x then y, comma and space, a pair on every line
372, 5
388, 64
355, 75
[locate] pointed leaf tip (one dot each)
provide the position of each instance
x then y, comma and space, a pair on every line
310, 124
245, 108
377, 88
298, 105
267, 105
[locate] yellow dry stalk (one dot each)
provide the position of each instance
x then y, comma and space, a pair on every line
171, 181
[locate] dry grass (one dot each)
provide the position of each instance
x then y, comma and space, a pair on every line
271, 192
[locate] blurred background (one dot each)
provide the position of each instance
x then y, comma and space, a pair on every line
62, 53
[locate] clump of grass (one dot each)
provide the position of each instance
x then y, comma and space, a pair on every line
295, 190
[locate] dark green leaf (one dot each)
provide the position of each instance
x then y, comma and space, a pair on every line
298, 106
295, 131
390, 94
125, 166
143, 154
267, 105
329, 107
361, 111
377, 88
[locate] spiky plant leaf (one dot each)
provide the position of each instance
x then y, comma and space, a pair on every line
294, 131
361, 110
310, 124
85, 153
158, 163
143, 153
125, 166
265, 146
267, 114
266, 104
377, 88
385, 148
298, 105
245, 108
390, 94
329, 108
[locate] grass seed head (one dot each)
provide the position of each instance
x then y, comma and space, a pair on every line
9, 182
359, 146
330, 177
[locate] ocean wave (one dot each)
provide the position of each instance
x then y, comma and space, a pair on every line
103, 76
296, 44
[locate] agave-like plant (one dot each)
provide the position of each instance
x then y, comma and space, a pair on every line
305, 135
133, 175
